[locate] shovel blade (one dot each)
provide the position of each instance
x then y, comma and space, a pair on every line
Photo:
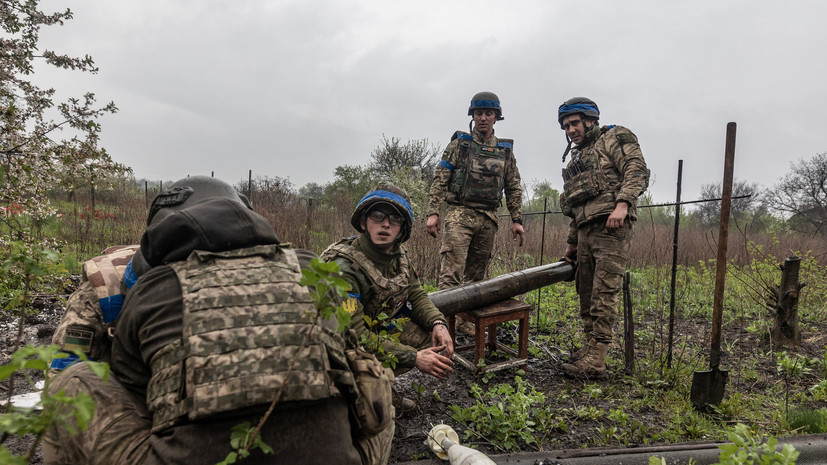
708, 388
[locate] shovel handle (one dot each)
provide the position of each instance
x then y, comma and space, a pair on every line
723, 237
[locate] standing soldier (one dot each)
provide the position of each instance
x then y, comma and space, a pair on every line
476, 168
601, 185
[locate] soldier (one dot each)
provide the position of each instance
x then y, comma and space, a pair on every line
475, 169
383, 279
601, 185
213, 331
92, 309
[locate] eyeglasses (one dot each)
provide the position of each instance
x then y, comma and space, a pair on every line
379, 216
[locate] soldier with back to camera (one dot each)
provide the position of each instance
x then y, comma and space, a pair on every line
215, 328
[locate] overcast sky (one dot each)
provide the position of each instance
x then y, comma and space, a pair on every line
295, 88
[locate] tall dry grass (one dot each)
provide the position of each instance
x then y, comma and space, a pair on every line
313, 225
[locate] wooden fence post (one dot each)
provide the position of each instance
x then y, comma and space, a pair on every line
785, 330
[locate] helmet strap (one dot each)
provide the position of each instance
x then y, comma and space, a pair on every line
471, 126
568, 148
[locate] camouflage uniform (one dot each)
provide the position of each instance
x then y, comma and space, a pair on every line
470, 226
382, 282
92, 309
606, 168
177, 345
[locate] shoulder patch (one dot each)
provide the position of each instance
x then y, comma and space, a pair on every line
626, 138
349, 305
462, 135
78, 338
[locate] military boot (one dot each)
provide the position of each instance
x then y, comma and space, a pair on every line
593, 363
579, 353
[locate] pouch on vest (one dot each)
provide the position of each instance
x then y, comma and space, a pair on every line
372, 411
581, 187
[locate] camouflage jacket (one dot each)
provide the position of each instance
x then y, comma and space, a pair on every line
153, 318
451, 161
366, 292
607, 168
92, 309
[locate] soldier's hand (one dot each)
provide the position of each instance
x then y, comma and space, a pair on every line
571, 252
433, 225
441, 337
517, 230
617, 216
430, 361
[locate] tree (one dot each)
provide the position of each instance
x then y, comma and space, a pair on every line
32, 158
311, 190
709, 213
419, 155
416, 187
350, 183
801, 195
543, 194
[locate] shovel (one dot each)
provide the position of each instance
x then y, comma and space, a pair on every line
708, 386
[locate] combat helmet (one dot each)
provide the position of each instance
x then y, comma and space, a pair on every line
190, 191
577, 105
389, 194
486, 100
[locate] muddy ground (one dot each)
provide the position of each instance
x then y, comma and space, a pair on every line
544, 373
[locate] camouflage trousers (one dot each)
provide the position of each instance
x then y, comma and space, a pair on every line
118, 432
601, 262
467, 242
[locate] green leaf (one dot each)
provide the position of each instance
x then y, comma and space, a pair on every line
7, 370
101, 369
7, 457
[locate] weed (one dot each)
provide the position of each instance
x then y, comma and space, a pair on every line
593, 391
807, 420
791, 368
747, 449
58, 409
589, 412
819, 390
506, 415
618, 416
608, 434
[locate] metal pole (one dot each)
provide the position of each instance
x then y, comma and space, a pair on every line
250, 184
723, 237
628, 324
542, 244
674, 265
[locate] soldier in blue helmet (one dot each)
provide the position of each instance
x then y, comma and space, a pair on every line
601, 185
476, 169
383, 280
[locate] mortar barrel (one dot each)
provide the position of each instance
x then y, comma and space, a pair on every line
479, 294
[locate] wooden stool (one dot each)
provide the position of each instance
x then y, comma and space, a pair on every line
488, 317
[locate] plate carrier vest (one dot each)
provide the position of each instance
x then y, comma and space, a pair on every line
479, 177
582, 177
390, 294
246, 318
